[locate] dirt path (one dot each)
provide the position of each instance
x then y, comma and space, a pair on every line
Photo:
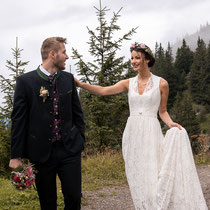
119, 198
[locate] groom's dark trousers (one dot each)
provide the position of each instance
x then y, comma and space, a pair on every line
68, 169
33, 134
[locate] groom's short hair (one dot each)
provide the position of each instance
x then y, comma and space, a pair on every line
51, 43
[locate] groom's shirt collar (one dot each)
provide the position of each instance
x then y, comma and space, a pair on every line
44, 71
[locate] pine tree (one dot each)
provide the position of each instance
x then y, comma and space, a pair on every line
159, 60
183, 113
164, 67
197, 72
7, 87
4, 147
206, 81
169, 75
183, 62
105, 115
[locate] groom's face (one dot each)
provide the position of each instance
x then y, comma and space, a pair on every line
61, 58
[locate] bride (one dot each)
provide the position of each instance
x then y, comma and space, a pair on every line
160, 170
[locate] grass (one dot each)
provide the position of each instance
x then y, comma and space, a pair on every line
98, 170
202, 158
103, 170
13, 199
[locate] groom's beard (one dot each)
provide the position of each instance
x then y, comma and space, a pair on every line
59, 63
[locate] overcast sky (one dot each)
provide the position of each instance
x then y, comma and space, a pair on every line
33, 21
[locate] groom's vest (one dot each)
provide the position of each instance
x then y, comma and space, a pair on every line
56, 126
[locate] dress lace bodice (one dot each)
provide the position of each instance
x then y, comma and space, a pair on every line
149, 101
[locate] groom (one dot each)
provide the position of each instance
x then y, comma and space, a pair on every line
48, 127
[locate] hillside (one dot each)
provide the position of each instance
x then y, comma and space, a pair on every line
203, 33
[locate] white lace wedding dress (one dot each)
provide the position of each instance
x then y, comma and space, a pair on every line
160, 170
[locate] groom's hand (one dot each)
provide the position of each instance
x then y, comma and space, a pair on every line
15, 163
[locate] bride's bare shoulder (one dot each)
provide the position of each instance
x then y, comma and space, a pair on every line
163, 83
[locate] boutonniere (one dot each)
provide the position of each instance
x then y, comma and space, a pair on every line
44, 93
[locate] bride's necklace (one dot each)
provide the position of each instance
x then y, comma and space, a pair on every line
142, 84
142, 87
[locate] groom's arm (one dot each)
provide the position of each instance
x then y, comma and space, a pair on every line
19, 119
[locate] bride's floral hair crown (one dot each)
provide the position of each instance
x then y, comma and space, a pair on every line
146, 50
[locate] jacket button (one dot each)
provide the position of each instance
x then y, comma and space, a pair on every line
49, 139
50, 126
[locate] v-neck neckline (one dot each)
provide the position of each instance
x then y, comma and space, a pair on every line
145, 86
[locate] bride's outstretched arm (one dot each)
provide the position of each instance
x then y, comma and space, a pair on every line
121, 86
165, 117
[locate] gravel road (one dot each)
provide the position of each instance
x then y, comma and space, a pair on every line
119, 198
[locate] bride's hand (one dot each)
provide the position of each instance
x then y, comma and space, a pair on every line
77, 82
173, 124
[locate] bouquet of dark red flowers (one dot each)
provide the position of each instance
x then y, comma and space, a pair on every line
23, 179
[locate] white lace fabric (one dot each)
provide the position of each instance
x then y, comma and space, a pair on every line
160, 170
148, 87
